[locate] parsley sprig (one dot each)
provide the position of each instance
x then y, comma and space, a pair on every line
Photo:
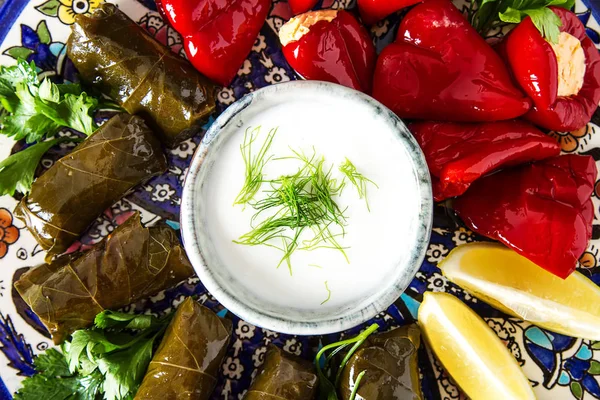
486, 15
106, 361
35, 110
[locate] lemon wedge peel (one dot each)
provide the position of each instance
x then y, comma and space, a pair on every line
454, 348
538, 309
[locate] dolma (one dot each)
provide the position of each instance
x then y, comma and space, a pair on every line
68, 198
131, 263
389, 360
283, 376
143, 76
188, 360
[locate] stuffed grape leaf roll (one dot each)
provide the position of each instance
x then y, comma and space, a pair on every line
188, 360
283, 376
68, 198
389, 360
131, 263
143, 76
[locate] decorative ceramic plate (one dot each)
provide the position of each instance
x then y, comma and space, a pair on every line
558, 367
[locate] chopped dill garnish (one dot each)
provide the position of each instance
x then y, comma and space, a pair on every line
328, 294
254, 163
358, 180
299, 204
315, 266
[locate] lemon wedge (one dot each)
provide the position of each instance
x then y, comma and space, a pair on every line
470, 351
518, 287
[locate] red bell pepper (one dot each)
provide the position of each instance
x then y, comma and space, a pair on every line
441, 68
301, 6
330, 45
535, 67
372, 11
543, 210
218, 34
459, 154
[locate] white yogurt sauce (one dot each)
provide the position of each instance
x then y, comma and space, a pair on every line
375, 239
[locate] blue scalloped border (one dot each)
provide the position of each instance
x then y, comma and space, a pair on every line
9, 12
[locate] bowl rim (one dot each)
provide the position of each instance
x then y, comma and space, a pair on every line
290, 326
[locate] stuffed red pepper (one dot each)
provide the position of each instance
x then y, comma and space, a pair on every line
440, 68
459, 154
330, 45
543, 210
563, 78
301, 6
372, 11
218, 34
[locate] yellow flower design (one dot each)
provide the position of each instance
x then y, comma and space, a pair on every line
587, 260
68, 9
569, 141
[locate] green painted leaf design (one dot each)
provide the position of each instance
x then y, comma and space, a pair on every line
594, 368
595, 345
43, 33
18, 52
577, 390
49, 8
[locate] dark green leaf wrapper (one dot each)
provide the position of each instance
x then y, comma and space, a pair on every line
144, 77
390, 362
133, 262
187, 362
68, 198
283, 376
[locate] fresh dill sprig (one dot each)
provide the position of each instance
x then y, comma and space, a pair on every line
358, 180
298, 204
328, 294
254, 163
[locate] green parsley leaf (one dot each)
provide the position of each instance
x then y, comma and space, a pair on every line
49, 92
114, 319
72, 111
8, 99
69, 88
35, 110
93, 342
25, 122
90, 386
40, 386
494, 13
21, 72
54, 381
17, 171
52, 363
124, 370
543, 18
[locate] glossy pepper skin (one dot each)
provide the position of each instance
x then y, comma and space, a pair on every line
338, 51
543, 210
440, 68
534, 66
372, 11
458, 154
218, 34
301, 6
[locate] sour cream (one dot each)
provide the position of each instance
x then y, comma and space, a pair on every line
380, 243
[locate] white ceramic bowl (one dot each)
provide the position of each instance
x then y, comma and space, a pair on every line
198, 206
